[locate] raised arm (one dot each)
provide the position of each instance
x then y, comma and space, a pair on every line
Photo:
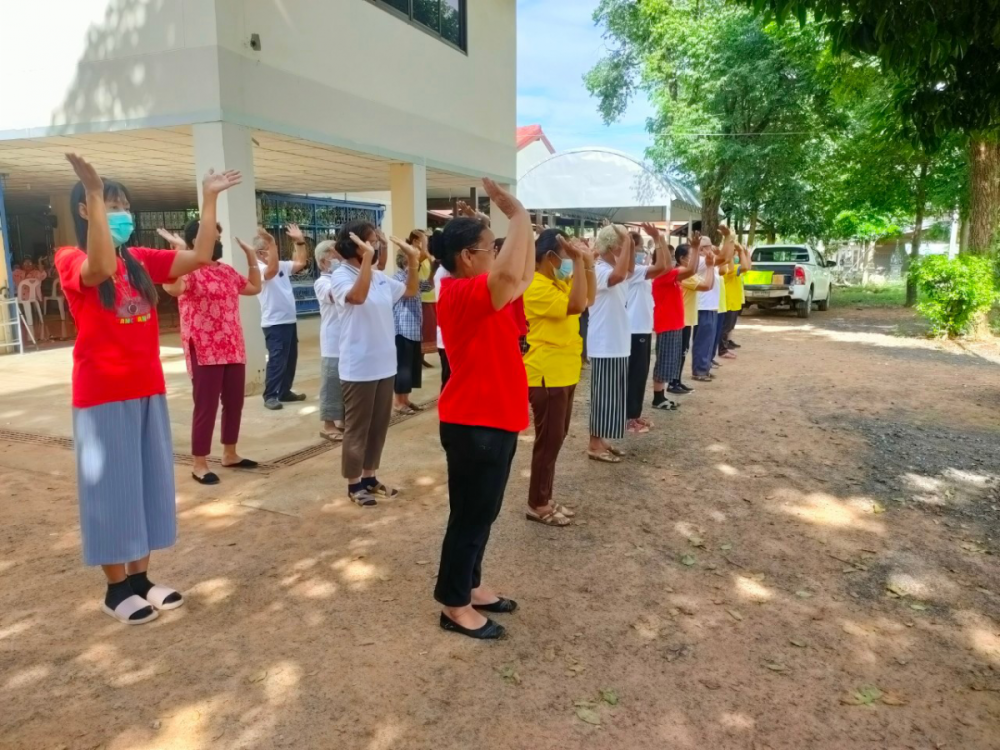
690, 268
254, 282
583, 279
363, 284
214, 183
506, 277
300, 257
746, 264
412, 266
101, 262
271, 267
176, 287
664, 253
625, 264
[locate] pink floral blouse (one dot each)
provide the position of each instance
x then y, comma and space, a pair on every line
210, 316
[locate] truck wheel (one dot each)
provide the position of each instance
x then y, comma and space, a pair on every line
805, 306
825, 304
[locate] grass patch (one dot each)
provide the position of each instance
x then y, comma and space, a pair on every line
883, 295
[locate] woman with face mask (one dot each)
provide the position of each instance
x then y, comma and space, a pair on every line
367, 365
485, 404
331, 394
208, 300
564, 286
121, 429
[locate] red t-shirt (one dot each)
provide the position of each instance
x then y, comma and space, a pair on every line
668, 301
488, 385
117, 352
519, 317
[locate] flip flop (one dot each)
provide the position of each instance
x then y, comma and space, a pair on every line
129, 607
616, 451
158, 595
333, 437
608, 457
243, 463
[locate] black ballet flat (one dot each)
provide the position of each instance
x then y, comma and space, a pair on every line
500, 607
244, 463
491, 631
210, 478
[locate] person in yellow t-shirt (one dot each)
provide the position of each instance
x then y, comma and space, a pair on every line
563, 287
734, 301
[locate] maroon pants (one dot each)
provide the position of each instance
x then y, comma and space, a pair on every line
212, 384
552, 409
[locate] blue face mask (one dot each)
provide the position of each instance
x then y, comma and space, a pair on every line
122, 226
640, 259
565, 270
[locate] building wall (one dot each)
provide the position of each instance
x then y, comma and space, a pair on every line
343, 72
530, 156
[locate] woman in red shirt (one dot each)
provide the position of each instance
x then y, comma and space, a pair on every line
121, 429
485, 403
668, 322
208, 300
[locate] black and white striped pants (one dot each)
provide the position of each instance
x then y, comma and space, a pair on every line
669, 351
608, 389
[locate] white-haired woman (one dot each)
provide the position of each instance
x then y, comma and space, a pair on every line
609, 343
331, 395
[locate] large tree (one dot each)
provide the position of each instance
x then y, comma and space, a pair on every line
945, 56
737, 101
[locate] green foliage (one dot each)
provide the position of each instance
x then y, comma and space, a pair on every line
956, 292
864, 226
871, 295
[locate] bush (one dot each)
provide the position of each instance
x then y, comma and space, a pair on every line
955, 293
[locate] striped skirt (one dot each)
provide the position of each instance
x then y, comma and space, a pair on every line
608, 389
669, 351
125, 474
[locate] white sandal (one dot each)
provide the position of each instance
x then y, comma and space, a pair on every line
158, 595
129, 607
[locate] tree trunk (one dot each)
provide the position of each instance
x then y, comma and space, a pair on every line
711, 199
918, 231
868, 256
984, 193
752, 236
771, 237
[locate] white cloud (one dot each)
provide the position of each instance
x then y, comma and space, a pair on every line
557, 43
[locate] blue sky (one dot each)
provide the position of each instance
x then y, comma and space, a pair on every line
557, 43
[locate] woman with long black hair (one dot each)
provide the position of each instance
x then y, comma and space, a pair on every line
485, 404
121, 429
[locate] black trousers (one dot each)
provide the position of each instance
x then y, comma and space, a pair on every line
282, 356
409, 366
685, 348
638, 373
479, 461
584, 326
445, 368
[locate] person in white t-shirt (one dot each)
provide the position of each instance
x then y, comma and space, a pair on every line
640, 315
441, 273
609, 342
703, 346
277, 317
331, 395
365, 297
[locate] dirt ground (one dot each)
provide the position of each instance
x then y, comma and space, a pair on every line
803, 556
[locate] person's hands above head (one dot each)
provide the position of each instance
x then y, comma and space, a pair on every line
365, 250
406, 248
464, 209
218, 182
248, 250
295, 234
173, 239
605, 222
267, 237
725, 231
572, 249
86, 173
652, 230
505, 201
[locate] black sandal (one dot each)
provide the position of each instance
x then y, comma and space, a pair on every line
491, 631
243, 463
210, 478
500, 607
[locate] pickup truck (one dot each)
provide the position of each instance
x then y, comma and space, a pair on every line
796, 276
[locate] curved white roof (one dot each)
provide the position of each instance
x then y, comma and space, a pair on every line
604, 181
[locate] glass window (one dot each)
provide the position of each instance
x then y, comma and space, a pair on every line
443, 18
781, 255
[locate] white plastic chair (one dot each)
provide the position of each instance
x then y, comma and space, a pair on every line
29, 297
56, 296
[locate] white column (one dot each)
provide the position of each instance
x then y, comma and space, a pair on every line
408, 184
499, 223
224, 145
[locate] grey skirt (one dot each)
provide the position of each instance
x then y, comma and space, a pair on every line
125, 474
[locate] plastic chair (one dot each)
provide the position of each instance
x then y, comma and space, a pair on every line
56, 296
29, 297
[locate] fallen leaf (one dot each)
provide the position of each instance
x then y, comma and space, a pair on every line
735, 615
550, 653
711, 684
864, 696
156, 724
366, 643
696, 541
423, 562
585, 704
387, 599
776, 667
877, 508
610, 697
588, 715
688, 560
803, 594
726, 547
918, 607
895, 590
799, 644
901, 661
890, 698
258, 677
509, 674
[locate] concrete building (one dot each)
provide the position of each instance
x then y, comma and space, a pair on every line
415, 98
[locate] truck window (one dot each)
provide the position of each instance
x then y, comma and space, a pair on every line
781, 255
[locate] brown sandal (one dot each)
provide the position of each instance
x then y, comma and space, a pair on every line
568, 512
552, 518
333, 437
607, 457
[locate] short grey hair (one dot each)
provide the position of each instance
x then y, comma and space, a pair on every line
609, 238
259, 244
322, 250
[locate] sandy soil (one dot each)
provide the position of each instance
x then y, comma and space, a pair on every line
802, 557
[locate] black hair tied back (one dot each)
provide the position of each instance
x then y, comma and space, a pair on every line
345, 245
547, 242
458, 234
138, 277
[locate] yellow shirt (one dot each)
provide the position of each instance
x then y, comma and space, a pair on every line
734, 290
689, 287
720, 279
555, 347
425, 274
